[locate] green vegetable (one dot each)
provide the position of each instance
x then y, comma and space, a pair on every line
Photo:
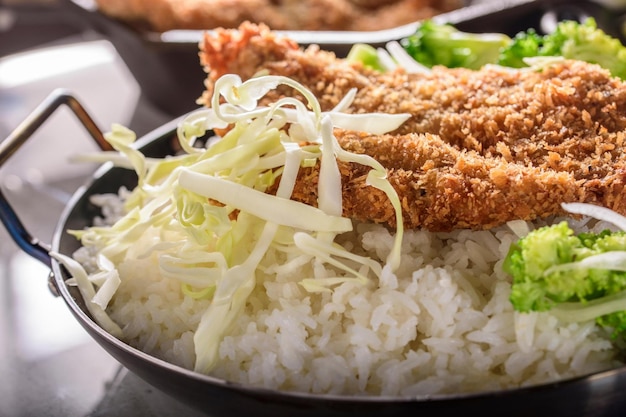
443, 44
577, 277
524, 45
572, 40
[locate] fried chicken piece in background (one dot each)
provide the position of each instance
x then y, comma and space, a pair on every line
359, 15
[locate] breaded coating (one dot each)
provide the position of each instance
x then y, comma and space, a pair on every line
327, 15
443, 188
481, 147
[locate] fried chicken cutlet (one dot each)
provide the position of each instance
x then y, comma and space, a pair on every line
481, 147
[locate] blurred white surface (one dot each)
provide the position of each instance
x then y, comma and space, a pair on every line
94, 73
44, 325
51, 367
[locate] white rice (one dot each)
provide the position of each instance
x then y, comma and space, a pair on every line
442, 324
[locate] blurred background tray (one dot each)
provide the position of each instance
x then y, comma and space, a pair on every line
166, 65
167, 68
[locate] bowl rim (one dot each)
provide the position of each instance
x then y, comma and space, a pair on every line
59, 276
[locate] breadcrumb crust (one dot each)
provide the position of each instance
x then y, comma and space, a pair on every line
481, 148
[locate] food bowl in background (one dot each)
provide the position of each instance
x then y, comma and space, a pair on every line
167, 67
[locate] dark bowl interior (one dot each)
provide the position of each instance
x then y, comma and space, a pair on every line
601, 394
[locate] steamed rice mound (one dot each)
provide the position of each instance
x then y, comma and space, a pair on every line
442, 324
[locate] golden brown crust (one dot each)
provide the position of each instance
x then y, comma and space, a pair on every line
361, 15
481, 147
443, 188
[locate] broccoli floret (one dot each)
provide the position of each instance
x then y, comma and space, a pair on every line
576, 277
531, 256
572, 40
442, 44
523, 45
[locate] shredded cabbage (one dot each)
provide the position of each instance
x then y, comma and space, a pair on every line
206, 218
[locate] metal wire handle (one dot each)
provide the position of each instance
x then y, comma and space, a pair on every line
28, 243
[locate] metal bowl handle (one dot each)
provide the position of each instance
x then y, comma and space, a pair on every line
29, 244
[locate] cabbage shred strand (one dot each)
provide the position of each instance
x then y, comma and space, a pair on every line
211, 215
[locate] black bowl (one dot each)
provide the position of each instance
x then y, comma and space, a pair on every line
600, 394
